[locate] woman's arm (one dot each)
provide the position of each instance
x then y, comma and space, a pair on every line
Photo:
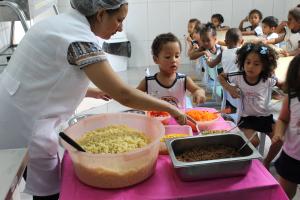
102, 75
197, 92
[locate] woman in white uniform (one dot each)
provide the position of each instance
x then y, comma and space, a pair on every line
48, 76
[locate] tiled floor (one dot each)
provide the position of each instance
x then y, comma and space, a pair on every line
133, 77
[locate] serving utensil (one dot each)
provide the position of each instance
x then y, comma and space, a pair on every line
70, 141
247, 142
194, 122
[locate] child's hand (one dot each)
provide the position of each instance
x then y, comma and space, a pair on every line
199, 96
283, 24
234, 91
277, 138
246, 19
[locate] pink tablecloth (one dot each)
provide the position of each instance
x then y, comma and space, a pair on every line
164, 184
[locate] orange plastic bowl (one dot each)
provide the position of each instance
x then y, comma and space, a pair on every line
204, 118
164, 117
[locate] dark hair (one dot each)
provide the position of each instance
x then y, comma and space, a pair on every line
270, 21
295, 13
292, 76
161, 40
194, 20
267, 55
219, 17
208, 28
233, 35
255, 11
198, 28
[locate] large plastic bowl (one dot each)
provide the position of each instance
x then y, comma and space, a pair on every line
115, 170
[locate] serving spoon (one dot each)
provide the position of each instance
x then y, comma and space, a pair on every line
70, 141
247, 142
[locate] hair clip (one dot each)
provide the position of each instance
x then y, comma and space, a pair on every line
264, 50
249, 47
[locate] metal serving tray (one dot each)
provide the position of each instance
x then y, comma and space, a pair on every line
191, 171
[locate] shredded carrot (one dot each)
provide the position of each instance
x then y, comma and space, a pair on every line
158, 114
199, 115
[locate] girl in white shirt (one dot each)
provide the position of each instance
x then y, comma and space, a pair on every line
253, 85
287, 129
254, 17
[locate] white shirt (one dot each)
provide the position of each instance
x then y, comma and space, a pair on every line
291, 39
174, 94
258, 30
255, 98
229, 60
291, 144
272, 36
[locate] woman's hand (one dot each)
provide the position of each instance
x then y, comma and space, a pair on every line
178, 115
97, 94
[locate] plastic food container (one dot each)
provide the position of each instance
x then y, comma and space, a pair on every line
174, 129
205, 125
115, 170
164, 119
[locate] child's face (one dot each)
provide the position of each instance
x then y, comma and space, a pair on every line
254, 19
168, 58
253, 65
267, 29
292, 23
215, 21
208, 40
191, 26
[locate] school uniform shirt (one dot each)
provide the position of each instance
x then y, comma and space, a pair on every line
258, 30
291, 39
272, 36
41, 87
291, 144
255, 98
174, 94
229, 60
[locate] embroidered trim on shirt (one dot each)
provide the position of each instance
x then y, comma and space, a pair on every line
82, 54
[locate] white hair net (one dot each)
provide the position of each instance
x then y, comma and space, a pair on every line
90, 7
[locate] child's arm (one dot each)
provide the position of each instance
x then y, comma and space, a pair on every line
195, 53
242, 23
279, 132
233, 90
212, 63
248, 33
142, 86
197, 92
291, 53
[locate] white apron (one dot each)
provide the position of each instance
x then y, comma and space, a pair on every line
38, 91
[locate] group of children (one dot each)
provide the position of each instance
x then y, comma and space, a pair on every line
246, 72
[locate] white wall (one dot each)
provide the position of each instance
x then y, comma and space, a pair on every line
148, 18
